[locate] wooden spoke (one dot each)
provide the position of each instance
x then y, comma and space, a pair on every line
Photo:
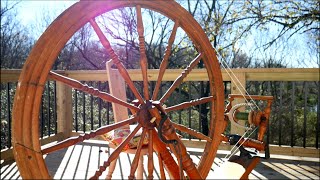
190, 131
162, 175
27, 102
115, 154
185, 105
150, 155
167, 130
166, 157
143, 57
164, 62
90, 90
100, 131
135, 161
179, 79
115, 59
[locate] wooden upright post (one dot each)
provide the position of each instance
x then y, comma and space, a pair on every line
234, 90
64, 109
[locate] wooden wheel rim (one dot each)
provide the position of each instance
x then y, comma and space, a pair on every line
25, 140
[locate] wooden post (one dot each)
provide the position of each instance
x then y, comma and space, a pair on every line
236, 88
64, 109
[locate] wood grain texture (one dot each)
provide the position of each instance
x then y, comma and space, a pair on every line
42, 57
104, 41
115, 154
165, 60
136, 158
261, 74
187, 163
186, 105
100, 131
190, 131
118, 89
90, 90
150, 155
143, 56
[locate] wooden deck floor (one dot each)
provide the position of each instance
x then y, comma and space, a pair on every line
81, 161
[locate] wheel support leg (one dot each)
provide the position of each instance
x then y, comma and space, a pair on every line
111, 169
140, 168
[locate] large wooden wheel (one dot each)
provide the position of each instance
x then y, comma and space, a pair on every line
26, 146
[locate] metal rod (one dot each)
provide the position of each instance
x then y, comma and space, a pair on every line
99, 105
279, 115
76, 109
41, 117
91, 109
9, 114
200, 106
305, 90
48, 109
55, 107
267, 150
292, 114
108, 106
84, 112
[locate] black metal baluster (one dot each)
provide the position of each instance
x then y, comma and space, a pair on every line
99, 105
91, 109
305, 90
84, 112
267, 151
225, 89
76, 109
55, 107
200, 106
280, 112
9, 114
48, 108
41, 117
257, 91
292, 114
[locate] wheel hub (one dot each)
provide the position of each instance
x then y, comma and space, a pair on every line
145, 117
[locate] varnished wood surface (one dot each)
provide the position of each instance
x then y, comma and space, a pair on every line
87, 156
181, 77
90, 90
115, 59
25, 138
258, 74
165, 60
74, 140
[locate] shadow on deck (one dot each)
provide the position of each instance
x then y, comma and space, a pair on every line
82, 160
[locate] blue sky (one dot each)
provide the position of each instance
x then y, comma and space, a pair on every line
28, 10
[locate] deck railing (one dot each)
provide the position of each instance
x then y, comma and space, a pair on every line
294, 122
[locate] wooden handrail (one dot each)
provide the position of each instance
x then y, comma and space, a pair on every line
257, 74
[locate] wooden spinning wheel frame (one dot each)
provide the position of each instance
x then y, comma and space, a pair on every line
27, 149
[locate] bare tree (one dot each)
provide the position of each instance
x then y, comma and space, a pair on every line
15, 42
293, 16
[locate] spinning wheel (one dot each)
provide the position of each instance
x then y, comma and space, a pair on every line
27, 148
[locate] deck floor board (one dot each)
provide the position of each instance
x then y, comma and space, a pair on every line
82, 160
